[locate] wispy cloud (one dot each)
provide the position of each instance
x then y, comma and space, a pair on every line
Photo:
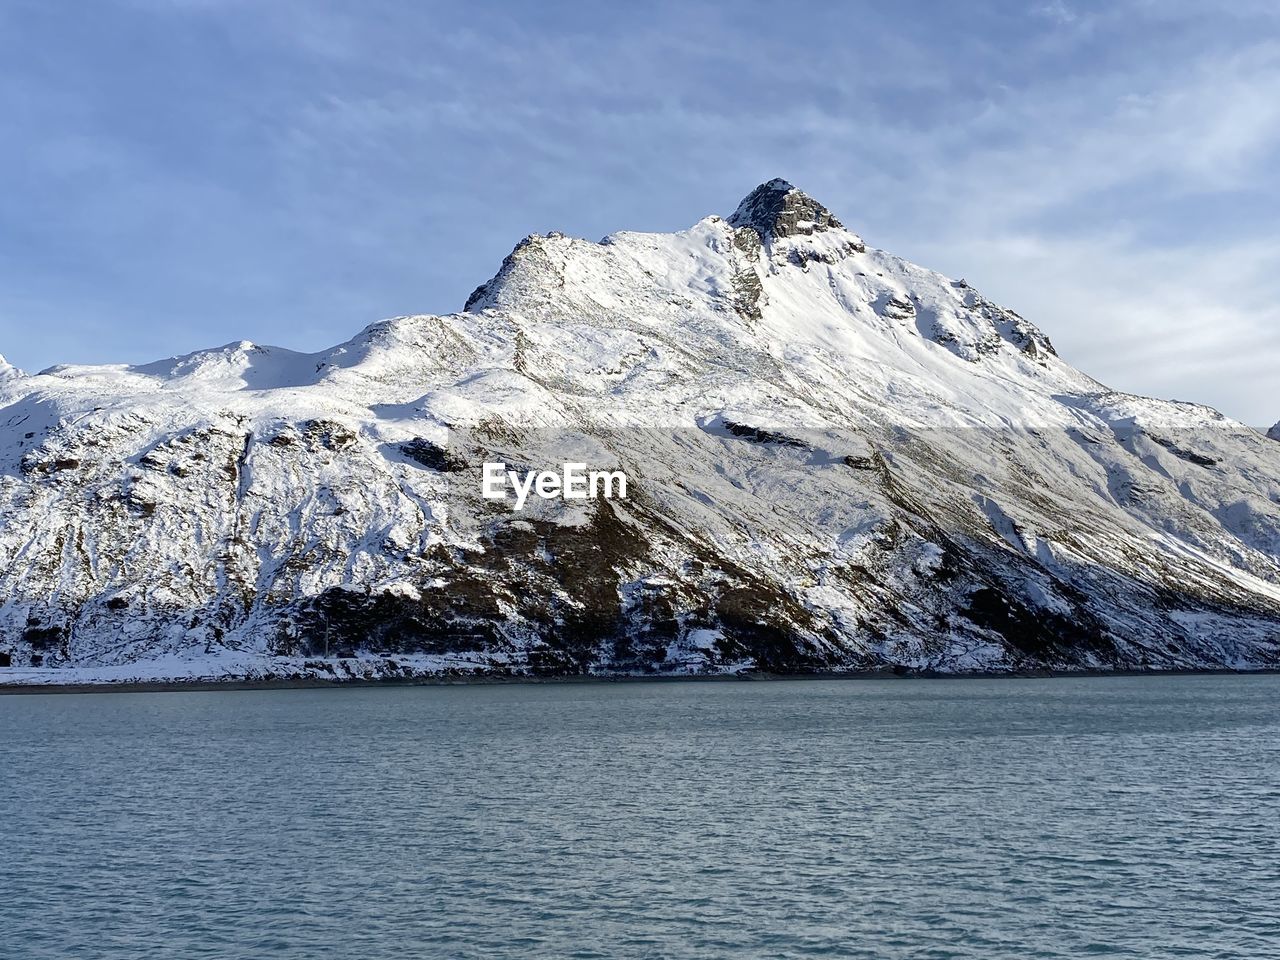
1057, 11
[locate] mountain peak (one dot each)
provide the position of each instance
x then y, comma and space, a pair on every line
1274, 432
838, 460
778, 209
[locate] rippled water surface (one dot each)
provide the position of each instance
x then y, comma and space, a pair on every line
972, 818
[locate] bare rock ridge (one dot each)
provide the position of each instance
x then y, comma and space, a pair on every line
839, 461
777, 209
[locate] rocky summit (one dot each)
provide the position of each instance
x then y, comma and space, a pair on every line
838, 461
777, 209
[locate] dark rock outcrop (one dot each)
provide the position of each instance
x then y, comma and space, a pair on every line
777, 209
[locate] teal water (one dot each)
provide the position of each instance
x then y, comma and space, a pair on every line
987, 819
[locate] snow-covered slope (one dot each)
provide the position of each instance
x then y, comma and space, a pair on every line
838, 460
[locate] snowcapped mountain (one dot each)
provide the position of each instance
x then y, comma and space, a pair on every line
838, 460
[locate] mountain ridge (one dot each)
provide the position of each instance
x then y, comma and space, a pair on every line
844, 462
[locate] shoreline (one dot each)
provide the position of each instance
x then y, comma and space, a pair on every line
316, 683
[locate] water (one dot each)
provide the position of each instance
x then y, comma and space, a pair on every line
985, 819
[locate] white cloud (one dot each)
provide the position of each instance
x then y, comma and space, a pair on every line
1058, 12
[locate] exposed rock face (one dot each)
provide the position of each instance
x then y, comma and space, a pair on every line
838, 461
777, 209
1274, 432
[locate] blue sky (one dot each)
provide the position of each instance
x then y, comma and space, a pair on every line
182, 173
